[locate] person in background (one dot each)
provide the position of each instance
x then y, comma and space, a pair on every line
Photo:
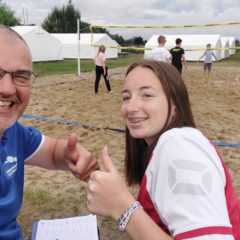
101, 68
208, 61
19, 144
185, 188
160, 53
178, 55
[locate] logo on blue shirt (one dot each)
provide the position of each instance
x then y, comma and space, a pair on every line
8, 170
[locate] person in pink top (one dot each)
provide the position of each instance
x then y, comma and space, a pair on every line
101, 68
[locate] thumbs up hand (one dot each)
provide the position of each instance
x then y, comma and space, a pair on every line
107, 163
107, 193
80, 161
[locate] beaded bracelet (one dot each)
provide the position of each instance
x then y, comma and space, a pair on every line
124, 219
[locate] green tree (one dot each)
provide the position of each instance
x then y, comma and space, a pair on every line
7, 16
119, 39
138, 41
62, 20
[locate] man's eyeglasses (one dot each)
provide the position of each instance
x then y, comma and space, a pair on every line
21, 78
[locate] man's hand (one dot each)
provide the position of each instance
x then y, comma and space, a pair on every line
80, 161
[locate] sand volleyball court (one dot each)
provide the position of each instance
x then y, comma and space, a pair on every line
96, 119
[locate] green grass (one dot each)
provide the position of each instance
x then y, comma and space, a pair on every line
232, 61
70, 66
56, 67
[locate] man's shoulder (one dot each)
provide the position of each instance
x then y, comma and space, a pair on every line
21, 130
19, 126
177, 49
14, 128
155, 49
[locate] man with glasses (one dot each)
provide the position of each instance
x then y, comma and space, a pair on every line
22, 78
20, 144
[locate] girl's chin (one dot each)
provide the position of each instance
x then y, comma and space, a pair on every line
136, 134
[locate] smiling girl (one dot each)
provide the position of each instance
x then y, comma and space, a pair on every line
185, 189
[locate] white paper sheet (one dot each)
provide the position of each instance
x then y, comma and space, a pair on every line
75, 228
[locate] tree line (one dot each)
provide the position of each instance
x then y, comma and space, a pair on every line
63, 20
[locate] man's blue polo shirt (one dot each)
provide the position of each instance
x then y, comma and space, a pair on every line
17, 144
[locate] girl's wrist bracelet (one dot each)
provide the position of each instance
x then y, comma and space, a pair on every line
124, 219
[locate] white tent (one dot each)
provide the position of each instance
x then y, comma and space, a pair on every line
43, 46
70, 45
232, 44
225, 44
190, 43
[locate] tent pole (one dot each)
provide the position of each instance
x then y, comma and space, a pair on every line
78, 41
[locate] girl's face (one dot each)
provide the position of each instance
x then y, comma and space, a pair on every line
144, 105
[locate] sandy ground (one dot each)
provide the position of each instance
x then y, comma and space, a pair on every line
216, 106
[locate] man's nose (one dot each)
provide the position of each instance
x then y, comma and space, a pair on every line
7, 86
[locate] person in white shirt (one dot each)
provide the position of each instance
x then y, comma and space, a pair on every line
160, 53
185, 188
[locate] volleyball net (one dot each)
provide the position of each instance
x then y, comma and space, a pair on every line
228, 34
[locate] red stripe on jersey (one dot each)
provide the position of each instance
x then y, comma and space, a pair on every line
233, 204
204, 231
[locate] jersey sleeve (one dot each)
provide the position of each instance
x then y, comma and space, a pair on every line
187, 187
32, 140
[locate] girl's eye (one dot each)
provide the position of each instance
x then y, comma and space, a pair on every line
125, 98
146, 95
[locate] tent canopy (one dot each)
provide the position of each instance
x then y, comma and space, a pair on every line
71, 46
225, 44
43, 46
232, 44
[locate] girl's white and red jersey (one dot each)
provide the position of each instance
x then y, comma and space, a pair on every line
187, 189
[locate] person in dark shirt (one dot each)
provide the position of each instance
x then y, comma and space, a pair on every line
178, 56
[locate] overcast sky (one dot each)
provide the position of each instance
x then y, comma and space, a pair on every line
134, 12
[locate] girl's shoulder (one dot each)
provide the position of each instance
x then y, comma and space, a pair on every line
178, 133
